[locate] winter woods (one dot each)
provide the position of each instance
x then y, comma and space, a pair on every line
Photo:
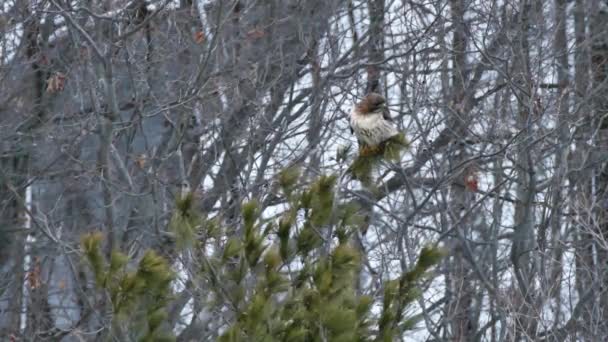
185, 170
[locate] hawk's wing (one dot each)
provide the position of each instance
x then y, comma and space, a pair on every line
352, 131
386, 114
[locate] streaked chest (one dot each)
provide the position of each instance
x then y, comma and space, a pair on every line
365, 122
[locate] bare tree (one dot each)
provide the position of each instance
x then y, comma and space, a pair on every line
112, 111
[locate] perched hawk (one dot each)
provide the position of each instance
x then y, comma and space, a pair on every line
370, 121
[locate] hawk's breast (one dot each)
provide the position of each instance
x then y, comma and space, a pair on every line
372, 128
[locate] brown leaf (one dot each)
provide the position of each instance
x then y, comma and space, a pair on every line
55, 83
255, 34
33, 276
83, 54
44, 60
141, 161
471, 182
199, 37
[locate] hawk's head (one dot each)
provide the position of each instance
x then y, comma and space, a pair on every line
372, 102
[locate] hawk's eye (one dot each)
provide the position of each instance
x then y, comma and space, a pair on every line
379, 105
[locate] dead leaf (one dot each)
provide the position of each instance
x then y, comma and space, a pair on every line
44, 60
471, 181
55, 83
199, 37
83, 54
33, 276
141, 161
256, 34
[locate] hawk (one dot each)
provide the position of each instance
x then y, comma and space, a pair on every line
370, 121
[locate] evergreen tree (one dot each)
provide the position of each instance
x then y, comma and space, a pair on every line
281, 285
291, 278
137, 294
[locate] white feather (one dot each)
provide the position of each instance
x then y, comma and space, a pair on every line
371, 128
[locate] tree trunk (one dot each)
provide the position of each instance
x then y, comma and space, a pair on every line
523, 240
376, 45
599, 69
461, 284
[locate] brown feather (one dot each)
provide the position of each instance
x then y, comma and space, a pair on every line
372, 102
371, 122
386, 114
